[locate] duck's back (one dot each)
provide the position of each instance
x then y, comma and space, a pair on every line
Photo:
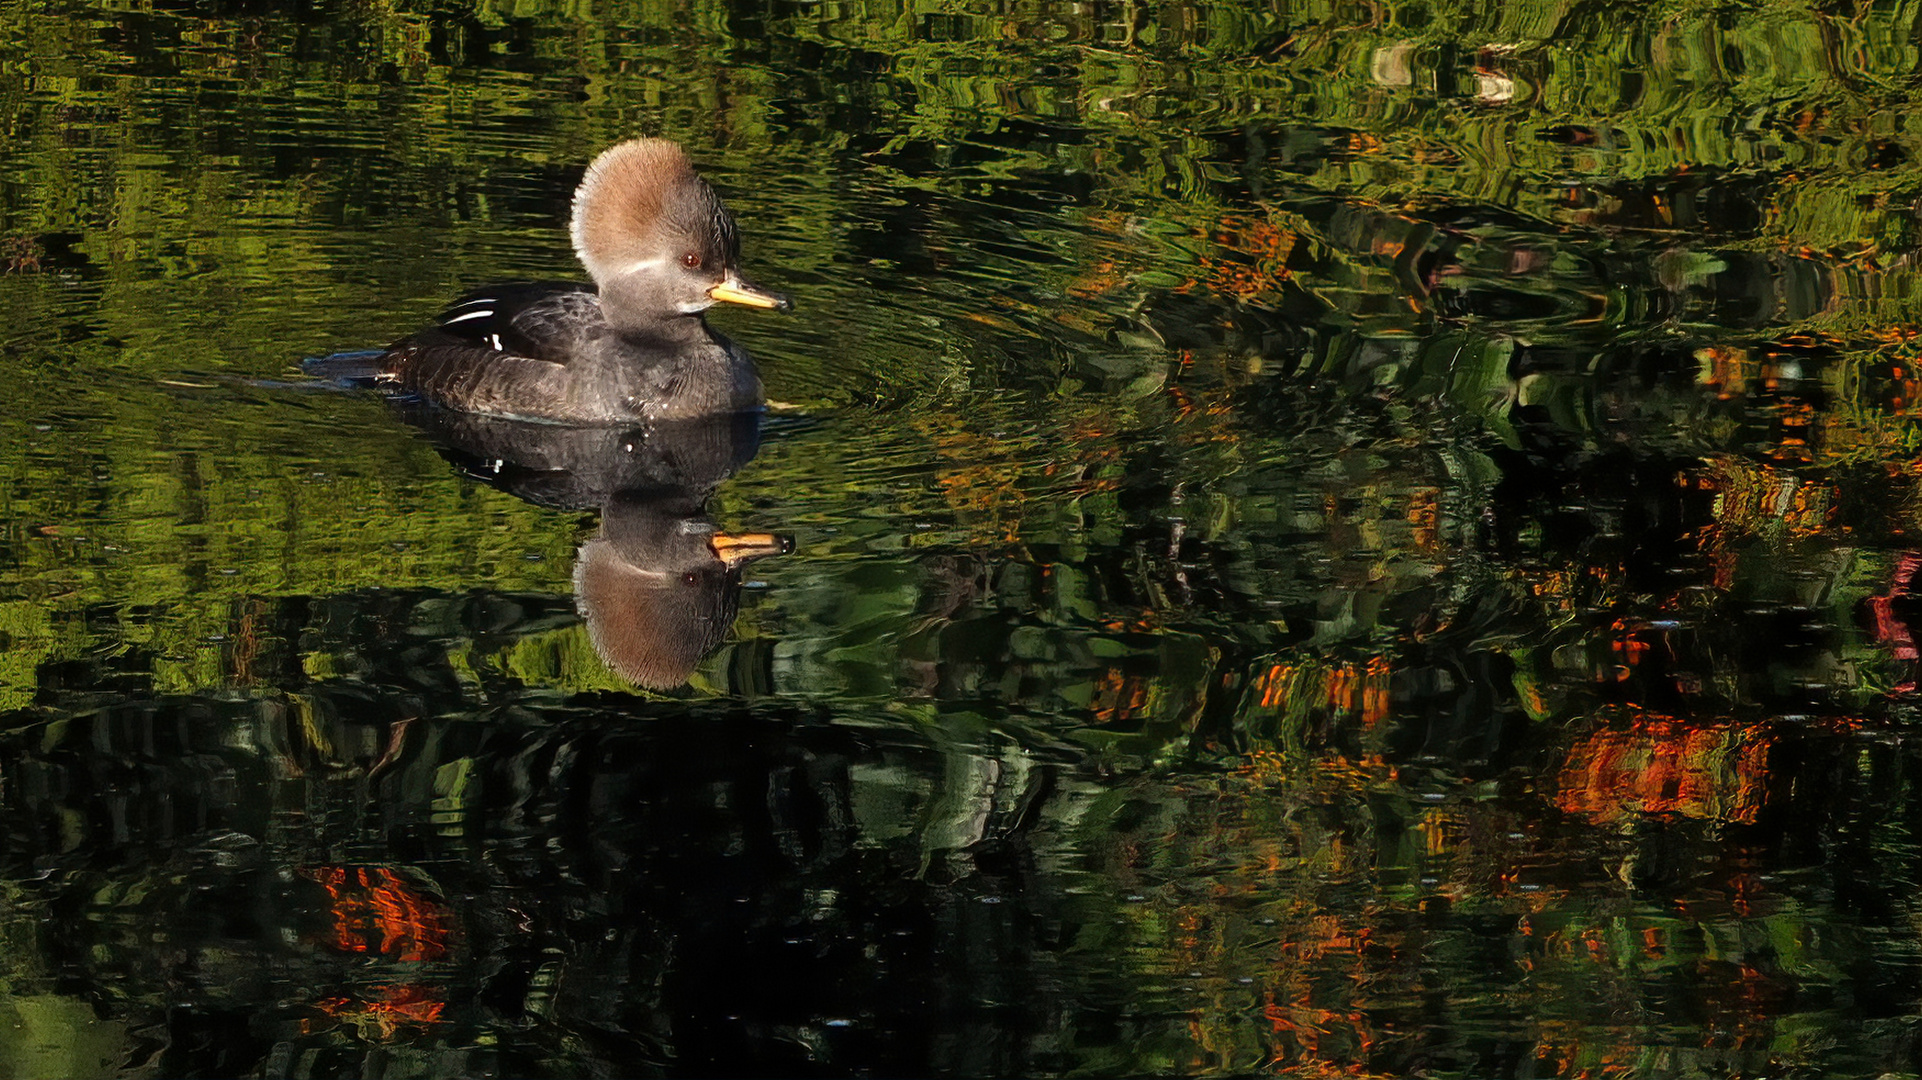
544, 351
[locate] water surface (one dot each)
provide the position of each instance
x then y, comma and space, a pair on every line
1328, 539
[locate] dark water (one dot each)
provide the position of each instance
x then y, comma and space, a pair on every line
1328, 539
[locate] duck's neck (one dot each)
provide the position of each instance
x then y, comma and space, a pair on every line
672, 331
636, 313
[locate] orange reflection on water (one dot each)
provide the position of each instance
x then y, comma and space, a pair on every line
1627, 647
1660, 765
1119, 696
375, 910
393, 1012
1753, 498
1564, 1049
1348, 689
1316, 1023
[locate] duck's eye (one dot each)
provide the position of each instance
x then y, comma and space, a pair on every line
691, 260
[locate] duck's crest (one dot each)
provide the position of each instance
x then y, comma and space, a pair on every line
625, 195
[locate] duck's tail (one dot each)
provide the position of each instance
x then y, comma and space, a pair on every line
357, 368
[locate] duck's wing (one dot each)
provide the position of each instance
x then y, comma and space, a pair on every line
533, 320
502, 350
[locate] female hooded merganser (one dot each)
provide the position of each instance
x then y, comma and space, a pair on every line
633, 346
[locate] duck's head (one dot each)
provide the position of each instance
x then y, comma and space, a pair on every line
656, 238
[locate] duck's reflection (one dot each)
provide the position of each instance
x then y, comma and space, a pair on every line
660, 584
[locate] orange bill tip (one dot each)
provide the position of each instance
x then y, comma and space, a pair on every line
737, 548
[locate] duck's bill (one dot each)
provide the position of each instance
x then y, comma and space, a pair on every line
737, 548
735, 291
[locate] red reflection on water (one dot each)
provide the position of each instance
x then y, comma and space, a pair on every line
375, 910
1890, 627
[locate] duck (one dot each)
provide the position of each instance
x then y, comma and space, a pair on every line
632, 346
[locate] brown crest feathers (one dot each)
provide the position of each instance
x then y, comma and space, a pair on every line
622, 195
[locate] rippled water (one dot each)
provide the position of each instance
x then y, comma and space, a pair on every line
1327, 539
